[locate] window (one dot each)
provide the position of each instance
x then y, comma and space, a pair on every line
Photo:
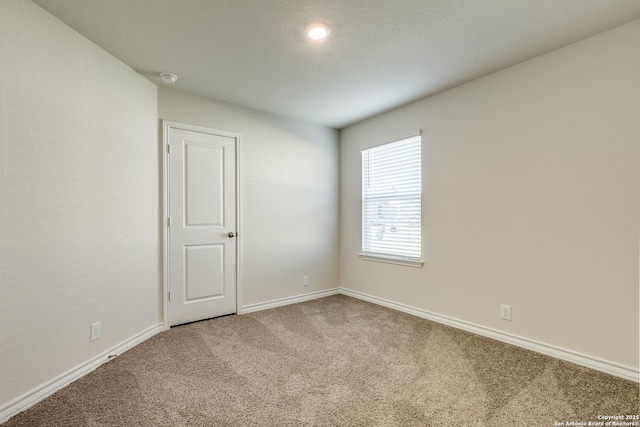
391, 202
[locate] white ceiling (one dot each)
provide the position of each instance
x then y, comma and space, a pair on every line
380, 54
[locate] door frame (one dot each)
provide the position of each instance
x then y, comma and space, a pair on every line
166, 126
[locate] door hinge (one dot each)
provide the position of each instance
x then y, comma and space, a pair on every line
168, 149
168, 222
169, 293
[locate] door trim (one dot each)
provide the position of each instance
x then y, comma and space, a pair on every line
166, 126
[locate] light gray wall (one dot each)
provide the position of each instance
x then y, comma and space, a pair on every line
531, 198
289, 195
79, 191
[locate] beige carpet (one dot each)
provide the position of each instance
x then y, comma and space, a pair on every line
336, 361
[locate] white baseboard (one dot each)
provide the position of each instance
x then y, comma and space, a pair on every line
289, 300
38, 394
606, 366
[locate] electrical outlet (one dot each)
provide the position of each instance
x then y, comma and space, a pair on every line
505, 312
95, 330
306, 280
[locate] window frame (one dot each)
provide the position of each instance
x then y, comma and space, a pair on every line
409, 261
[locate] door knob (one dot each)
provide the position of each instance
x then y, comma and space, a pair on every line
231, 234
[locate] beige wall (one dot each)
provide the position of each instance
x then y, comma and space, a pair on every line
79, 190
531, 198
289, 195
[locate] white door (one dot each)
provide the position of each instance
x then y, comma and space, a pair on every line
201, 245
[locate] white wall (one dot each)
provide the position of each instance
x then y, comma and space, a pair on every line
289, 195
531, 198
79, 191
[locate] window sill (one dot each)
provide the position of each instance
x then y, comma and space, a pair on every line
392, 260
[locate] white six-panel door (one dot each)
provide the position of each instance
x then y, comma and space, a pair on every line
201, 233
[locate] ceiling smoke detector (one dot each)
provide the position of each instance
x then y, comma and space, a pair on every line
169, 78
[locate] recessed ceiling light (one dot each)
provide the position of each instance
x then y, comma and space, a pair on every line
168, 77
317, 31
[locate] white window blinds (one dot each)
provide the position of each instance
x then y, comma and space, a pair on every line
391, 199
